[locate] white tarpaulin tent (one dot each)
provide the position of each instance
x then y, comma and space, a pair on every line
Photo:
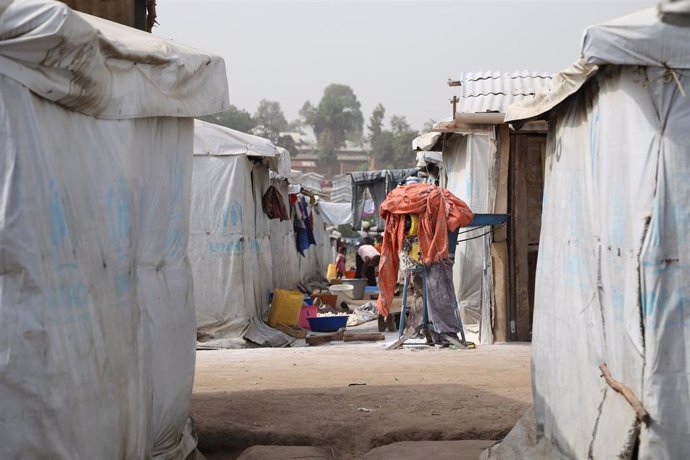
229, 245
96, 313
612, 278
470, 174
239, 255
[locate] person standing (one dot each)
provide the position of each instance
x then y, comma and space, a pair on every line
370, 263
340, 263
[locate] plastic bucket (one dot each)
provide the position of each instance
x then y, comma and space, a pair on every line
330, 272
328, 299
328, 323
285, 307
304, 315
358, 285
342, 291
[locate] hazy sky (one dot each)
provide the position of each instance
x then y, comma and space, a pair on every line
398, 53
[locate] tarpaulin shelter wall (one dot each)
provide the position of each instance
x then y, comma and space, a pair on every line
470, 174
238, 255
317, 257
613, 266
285, 266
336, 213
314, 263
96, 311
378, 184
230, 247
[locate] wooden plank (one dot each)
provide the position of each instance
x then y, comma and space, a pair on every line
121, 11
404, 338
501, 202
499, 248
499, 257
520, 239
292, 331
325, 338
364, 336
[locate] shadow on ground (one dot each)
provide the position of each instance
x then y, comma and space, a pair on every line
349, 421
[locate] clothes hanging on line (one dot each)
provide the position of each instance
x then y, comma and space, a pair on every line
303, 224
439, 212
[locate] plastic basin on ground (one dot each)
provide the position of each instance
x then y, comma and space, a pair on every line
328, 323
305, 314
358, 285
342, 291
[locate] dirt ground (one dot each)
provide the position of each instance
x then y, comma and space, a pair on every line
349, 398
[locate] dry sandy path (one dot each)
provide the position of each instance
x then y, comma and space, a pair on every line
304, 396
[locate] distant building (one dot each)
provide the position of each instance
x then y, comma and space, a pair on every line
350, 158
341, 189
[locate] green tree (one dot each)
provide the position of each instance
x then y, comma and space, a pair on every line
376, 121
296, 126
233, 118
270, 120
391, 148
288, 143
403, 135
335, 120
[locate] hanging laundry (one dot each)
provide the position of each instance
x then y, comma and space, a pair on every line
439, 212
303, 226
273, 204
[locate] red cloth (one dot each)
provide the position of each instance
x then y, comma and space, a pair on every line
439, 212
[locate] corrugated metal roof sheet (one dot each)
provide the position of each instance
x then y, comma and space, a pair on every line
495, 91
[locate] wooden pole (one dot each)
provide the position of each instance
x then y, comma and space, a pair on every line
627, 393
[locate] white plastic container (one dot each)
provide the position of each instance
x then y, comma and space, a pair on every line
358, 285
343, 291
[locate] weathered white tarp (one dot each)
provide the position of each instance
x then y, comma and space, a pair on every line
229, 246
104, 69
336, 213
285, 259
96, 314
316, 259
238, 255
612, 276
97, 337
469, 162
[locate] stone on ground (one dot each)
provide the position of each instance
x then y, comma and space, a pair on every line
283, 453
424, 450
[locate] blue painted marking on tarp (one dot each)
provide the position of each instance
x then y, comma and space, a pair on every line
222, 248
58, 225
118, 203
230, 220
68, 303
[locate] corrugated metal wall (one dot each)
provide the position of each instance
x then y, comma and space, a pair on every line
121, 11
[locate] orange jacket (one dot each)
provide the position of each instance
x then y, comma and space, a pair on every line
439, 212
